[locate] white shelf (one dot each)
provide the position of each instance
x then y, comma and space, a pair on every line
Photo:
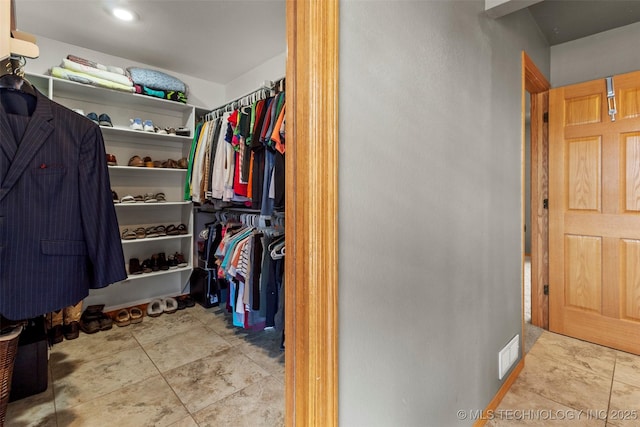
156, 273
80, 91
143, 169
155, 239
139, 204
119, 131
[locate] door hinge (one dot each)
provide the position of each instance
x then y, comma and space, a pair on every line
545, 117
546, 289
545, 203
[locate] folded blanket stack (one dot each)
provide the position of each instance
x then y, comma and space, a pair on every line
88, 72
158, 84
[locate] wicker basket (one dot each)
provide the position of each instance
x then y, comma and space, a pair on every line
8, 350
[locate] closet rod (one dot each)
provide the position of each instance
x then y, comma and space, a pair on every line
270, 86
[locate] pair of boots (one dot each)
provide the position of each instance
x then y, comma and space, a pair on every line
64, 323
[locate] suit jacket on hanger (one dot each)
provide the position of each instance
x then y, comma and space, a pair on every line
58, 229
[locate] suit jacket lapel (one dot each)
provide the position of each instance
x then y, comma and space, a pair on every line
9, 144
38, 130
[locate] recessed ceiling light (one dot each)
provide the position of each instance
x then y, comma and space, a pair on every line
124, 14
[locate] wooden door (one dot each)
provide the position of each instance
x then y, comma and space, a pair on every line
594, 213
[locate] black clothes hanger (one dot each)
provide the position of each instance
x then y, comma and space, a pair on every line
17, 95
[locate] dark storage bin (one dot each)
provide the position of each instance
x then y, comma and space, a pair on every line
204, 287
30, 373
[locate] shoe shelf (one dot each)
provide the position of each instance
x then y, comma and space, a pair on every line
148, 239
156, 273
123, 143
142, 169
151, 205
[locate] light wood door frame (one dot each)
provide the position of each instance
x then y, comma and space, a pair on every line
538, 87
311, 264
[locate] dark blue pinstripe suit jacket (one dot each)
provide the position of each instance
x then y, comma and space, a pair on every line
58, 229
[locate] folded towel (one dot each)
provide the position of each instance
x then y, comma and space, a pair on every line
107, 75
78, 77
93, 64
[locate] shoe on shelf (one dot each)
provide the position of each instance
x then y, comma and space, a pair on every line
170, 131
136, 124
136, 161
111, 160
180, 259
114, 195
183, 163
134, 266
105, 120
162, 262
182, 131
147, 126
93, 117
79, 111
146, 266
160, 131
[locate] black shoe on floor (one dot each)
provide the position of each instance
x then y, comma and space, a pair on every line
55, 335
71, 331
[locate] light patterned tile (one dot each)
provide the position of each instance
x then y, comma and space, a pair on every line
260, 404
170, 352
152, 329
91, 346
521, 406
75, 383
266, 352
207, 380
580, 354
564, 383
627, 369
624, 410
186, 422
149, 403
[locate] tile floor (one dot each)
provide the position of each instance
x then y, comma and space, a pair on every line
568, 382
193, 368
190, 368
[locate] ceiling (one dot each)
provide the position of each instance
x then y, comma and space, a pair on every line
216, 40
219, 40
564, 20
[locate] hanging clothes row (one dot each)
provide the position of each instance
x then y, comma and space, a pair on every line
237, 154
247, 260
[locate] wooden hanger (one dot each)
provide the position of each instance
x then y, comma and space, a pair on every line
14, 45
12, 41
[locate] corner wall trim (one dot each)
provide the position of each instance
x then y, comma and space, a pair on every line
311, 221
493, 405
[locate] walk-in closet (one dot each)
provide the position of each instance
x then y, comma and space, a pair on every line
143, 190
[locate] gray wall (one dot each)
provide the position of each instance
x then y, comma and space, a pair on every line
589, 58
430, 206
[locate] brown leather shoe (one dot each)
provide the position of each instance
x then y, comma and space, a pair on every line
136, 161
111, 160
